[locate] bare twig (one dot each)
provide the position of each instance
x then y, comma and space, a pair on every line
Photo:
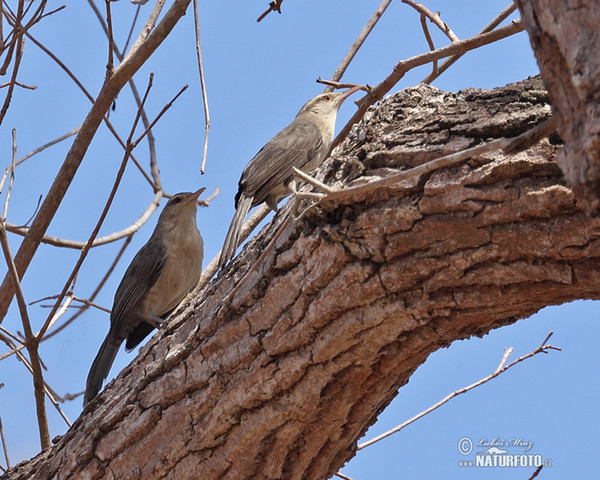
18, 39
111, 41
429, 39
203, 85
434, 18
543, 348
377, 92
274, 6
94, 293
488, 28
532, 136
4, 446
362, 36
30, 342
338, 85
19, 84
113, 237
341, 475
49, 144
52, 396
158, 117
537, 472
12, 175
72, 298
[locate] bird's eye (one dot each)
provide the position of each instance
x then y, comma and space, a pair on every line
176, 200
327, 97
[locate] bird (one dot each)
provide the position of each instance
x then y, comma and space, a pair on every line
268, 177
160, 275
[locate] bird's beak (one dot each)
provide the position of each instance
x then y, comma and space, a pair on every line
194, 196
347, 93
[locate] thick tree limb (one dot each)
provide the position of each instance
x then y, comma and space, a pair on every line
564, 37
284, 379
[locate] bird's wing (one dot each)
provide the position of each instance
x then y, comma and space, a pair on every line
294, 146
141, 274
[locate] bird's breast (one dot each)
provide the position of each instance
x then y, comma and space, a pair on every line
180, 273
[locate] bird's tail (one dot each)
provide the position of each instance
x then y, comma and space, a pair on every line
232, 239
100, 368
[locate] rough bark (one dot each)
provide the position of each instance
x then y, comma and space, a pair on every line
564, 37
281, 381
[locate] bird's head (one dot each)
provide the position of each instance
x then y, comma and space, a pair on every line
179, 205
327, 103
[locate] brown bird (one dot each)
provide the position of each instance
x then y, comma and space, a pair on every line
160, 275
268, 177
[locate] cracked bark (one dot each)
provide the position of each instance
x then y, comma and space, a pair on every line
564, 37
283, 381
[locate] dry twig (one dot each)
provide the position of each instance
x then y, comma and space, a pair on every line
203, 86
543, 348
503, 15
377, 92
362, 36
274, 6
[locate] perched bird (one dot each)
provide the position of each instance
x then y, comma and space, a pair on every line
160, 275
268, 177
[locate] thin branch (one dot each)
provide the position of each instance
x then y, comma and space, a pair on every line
362, 36
338, 85
95, 292
543, 348
503, 15
434, 18
19, 84
158, 117
113, 237
537, 472
133, 23
85, 303
49, 392
111, 41
203, 86
30, 342
341, 475
429, 39
13, 80
274, 6
12, 174
377, 92
49, 144
4, 446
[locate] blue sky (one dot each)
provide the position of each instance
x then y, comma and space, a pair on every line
258, 76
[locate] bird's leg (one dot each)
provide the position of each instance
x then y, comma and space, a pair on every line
155, 321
